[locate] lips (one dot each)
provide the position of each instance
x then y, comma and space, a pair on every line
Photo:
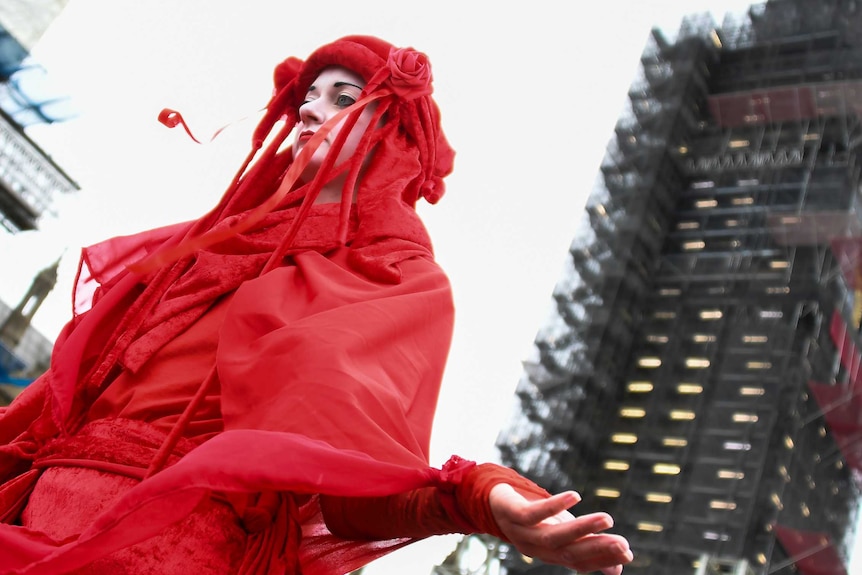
305, 136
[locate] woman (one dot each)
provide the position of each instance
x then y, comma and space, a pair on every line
252, 392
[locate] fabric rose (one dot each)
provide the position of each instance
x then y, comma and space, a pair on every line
410, 73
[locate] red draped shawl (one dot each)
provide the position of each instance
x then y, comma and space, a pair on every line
329, 382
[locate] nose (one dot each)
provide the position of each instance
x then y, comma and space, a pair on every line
310, 113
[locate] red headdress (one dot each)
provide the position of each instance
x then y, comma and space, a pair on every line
411, 153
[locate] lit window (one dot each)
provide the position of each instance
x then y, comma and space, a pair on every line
682, 415
776, 500
689, 388
751, 390
791, 220
627, 438
640, 387
779, 264
703, 338
664, 314
694, 245
704, 184
688, 226
713, 536
784, 474
648, 526
739, 143
682, 149
737, 446
696, 362
755, 339
600, 209
605, 492
710, 314
669, 291
744, 418
730, 474
649, 362
747, 201
632, 412
788, 442
658, 497
758, 365
748, 182
722, 505
731, 223
657, 338
616, 465
822, 431
771, 314
761, 558
666, 469
674, 442
778, 290
705, 204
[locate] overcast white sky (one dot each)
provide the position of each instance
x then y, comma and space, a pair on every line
529, 93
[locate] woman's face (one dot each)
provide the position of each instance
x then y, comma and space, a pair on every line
332, 91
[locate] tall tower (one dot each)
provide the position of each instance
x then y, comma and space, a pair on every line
700, 375
13, 328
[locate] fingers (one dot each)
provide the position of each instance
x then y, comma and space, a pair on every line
591, 553
562, 532
539, 510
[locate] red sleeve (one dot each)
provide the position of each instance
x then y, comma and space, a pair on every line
428, 511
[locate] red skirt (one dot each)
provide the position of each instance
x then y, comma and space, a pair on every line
86, 474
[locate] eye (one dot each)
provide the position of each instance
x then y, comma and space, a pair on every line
344, 100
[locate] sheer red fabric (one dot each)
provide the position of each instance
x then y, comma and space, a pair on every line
338, 347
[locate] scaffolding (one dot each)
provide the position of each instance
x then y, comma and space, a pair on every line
698, 375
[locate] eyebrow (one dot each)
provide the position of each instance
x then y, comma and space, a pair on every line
340, 84
312, 88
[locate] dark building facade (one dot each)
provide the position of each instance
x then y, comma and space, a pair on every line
700, 376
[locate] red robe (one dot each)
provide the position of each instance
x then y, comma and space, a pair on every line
328, 383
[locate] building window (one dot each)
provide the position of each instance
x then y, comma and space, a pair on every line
649, 526
722, 505
658, 497
758, 365
649, 362
606, 492
689, 388
632, 412
703, 338
624, 438
682, 415
616, 465
674, 441
729, 474
666, 469
696, 362
640, 387
745, 418
709, 314
771, 314
751, 391
750, 338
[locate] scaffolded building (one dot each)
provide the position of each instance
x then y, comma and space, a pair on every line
700, 377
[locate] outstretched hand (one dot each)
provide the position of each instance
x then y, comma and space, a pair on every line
545, 530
